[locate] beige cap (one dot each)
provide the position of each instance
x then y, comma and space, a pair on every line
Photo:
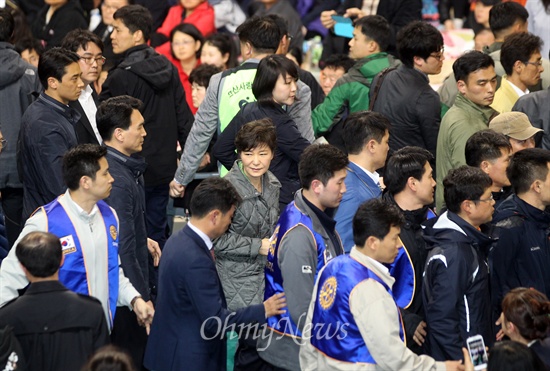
514, 124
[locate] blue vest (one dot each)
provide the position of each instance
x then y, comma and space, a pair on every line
334, 331
290, 218
402, 269
74, 271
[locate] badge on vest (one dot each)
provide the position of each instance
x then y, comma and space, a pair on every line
327, 294
67, 244
112, 231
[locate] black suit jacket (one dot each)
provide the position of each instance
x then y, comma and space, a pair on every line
191, 316
83, 128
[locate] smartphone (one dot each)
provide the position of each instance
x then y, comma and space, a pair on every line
478, 354
343, 26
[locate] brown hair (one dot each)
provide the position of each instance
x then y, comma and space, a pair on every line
529, 311
256, 133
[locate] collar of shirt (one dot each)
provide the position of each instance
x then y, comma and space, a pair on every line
379, 267
80, 211
85, 94
374, 176
202, 235
520, 92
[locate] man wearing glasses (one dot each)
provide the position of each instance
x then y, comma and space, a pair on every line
521, 59
89, 48
405, 96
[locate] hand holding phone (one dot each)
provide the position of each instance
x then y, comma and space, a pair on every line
478, 354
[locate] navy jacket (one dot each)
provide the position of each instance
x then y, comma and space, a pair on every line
455, 292
191, 302
47, 132
290, 145
521, 258
128, 199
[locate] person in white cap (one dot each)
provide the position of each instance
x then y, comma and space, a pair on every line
517, 128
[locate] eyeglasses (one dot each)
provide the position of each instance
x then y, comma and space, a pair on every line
438, 56
90, 60
289, 37
485, 200
3, 143
536, 64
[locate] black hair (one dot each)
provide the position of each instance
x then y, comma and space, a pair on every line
405, 163
336, 61
320, 161
375, 218
202, 74
225, 44
82, 160
296, 52
262, 33
268, 73
136, 18
377, 28
80, 38
485, 145
504, 15
418, 39
510, 355
109, 358
256, 133
526, 166
114, 113
188, 29
53, 63
469, 62
29, 44
464, 183
281, 23
213, 194
7, 24
361, 127
518, 47
39, 253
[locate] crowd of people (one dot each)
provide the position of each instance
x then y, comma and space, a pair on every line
357, 220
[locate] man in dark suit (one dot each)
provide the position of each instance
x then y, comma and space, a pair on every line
49, 316
89, 48
192, 316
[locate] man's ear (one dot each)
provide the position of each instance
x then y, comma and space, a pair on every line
52, 83
316, 186
461, 86
411, 183
138, 37
485, 166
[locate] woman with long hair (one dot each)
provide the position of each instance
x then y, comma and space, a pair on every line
219, 50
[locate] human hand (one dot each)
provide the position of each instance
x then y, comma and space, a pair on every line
420, 333
144, 312
326, 19
264, 249
154, 250
468, 365
205, 161
499, 322
449, 25
455, 366
274, 305
354, 13
176, 189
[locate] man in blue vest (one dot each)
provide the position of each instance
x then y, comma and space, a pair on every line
410, 186
366, 139
353, 296
88, 230
305, 239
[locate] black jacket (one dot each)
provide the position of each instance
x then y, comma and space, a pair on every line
128, 199
83, 128
455, 290
411, 236
57, 329
65, 19
47, 132
412, 106
290, 145
153, 79
521, 258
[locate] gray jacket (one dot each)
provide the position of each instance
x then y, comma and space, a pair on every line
537, 107
18, 80
240, 267
298, 265
207, 122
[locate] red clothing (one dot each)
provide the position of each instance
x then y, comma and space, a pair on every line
202, 18
183, 76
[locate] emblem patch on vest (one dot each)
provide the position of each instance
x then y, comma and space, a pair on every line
328, 293
112, 230
67, 244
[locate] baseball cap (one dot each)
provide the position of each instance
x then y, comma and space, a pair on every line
516, 125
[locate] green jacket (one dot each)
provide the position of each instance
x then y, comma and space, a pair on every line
350, 91
462, 120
